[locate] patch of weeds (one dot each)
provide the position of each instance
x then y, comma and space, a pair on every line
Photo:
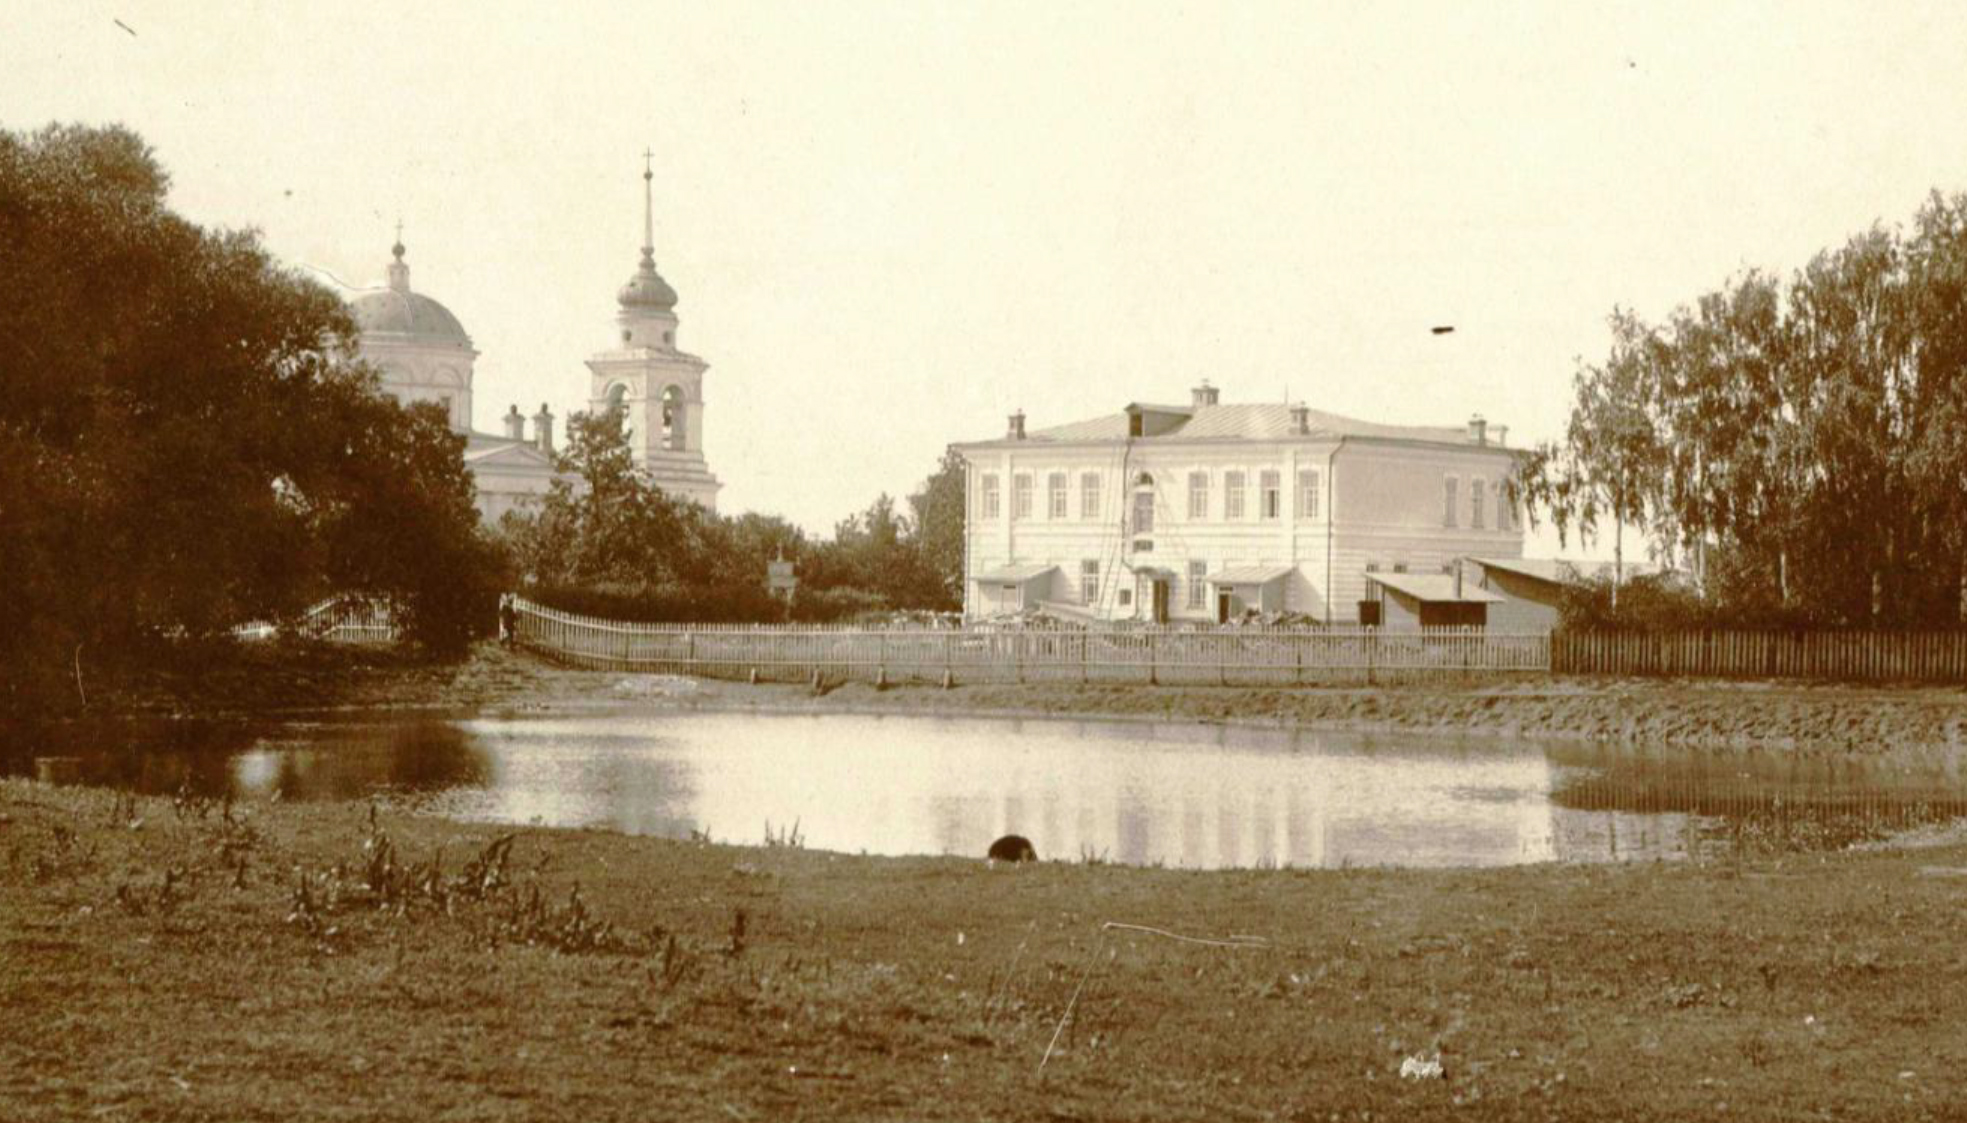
788, 837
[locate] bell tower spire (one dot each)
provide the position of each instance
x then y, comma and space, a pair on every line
648, 208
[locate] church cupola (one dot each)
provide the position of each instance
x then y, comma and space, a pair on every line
648, 304
399, 270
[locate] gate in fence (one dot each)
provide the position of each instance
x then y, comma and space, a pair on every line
1242, 656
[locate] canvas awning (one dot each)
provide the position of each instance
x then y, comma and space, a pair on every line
1250, 575
1012, 574
1433, 588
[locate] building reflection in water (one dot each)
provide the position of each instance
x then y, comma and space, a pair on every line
1181, 795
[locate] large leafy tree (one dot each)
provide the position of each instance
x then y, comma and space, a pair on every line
1812, 435
185, 443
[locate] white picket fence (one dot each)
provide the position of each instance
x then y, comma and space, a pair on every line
340, 618
1232, 656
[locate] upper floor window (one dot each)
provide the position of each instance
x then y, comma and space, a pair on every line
1055, 495
987, 496
1232, 495
1198, 495
1143, 512
1450, 493
1272, 499
1503, 513
673, 429
1021, 496
1476, 493
1308, 493
1089, 495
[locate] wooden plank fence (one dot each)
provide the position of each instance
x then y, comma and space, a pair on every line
1229, 656
1835, 656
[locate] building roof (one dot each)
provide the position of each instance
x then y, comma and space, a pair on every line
400, 315
1558, 571
1243, 422
1435, 588
1012, 574
1250, 575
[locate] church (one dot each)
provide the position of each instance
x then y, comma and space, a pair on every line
424, 354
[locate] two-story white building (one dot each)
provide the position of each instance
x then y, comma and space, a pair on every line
1208, 511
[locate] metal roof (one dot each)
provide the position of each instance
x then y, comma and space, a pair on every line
1246, 422
1435, 588
1011, 574
1250, 575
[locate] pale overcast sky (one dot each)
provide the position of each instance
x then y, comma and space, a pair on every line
893, 223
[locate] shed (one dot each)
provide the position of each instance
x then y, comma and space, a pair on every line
1013, 588
1427, 600
1240, 589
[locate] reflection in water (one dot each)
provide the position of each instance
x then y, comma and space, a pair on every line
1183, 795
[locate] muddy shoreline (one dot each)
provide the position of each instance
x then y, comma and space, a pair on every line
1775, 716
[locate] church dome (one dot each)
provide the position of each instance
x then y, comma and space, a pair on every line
396, 311
647, 291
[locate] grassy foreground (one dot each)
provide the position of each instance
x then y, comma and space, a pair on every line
170, 960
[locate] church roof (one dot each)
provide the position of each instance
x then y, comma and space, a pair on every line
1244, 422
395, 311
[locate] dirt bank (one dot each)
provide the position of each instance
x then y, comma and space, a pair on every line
1785, 716
279, 962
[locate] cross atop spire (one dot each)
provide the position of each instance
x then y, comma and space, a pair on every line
399, 270
397, 249
648, 205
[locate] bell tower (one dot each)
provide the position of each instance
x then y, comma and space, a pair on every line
658, 387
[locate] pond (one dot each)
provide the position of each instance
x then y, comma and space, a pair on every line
1178, 794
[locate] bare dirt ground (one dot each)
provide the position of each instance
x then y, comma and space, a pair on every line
1799, 717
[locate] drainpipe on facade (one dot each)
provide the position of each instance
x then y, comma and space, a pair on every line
1331, 515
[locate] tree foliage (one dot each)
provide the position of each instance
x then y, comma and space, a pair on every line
609, 542
184, 443
1803, 445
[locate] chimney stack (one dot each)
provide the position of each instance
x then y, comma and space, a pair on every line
1017, 426
1301, 419
1478, 430
1204, 395
543, 429
1502, 436
515, 424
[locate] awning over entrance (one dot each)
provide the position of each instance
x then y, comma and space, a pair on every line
1433, 588
1249, 575
1013, 574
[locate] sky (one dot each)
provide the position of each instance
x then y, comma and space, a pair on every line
892, 224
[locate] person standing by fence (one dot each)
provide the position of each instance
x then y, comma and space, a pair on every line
508, 619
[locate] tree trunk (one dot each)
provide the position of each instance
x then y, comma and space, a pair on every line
1618, 558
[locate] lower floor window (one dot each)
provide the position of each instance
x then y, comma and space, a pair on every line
1198, 584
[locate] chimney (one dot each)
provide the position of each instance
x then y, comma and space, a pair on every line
1502, 436
1478, 430
1301, 419
1017, 426
543, 429
515, 424
1204, 395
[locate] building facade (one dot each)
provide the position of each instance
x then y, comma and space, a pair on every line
657, 387
1210, 512
424, 355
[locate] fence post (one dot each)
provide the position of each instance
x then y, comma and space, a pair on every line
1372, 652
1151, 669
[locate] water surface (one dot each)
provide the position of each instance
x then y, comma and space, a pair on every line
1179, 794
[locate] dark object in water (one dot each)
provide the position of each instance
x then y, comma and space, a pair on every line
1013, 848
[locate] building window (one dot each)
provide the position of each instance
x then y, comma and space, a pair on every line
1448, 506
673, 430
1198, 495
1400, 567
1232, 495
1143, 512
1308, 494
1089, 495
1020, 496
1089, 582
1476, 492
1272, 499
1372, 567
1143, 545
1055, 495
988, 490
1503, 512
1198, 584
